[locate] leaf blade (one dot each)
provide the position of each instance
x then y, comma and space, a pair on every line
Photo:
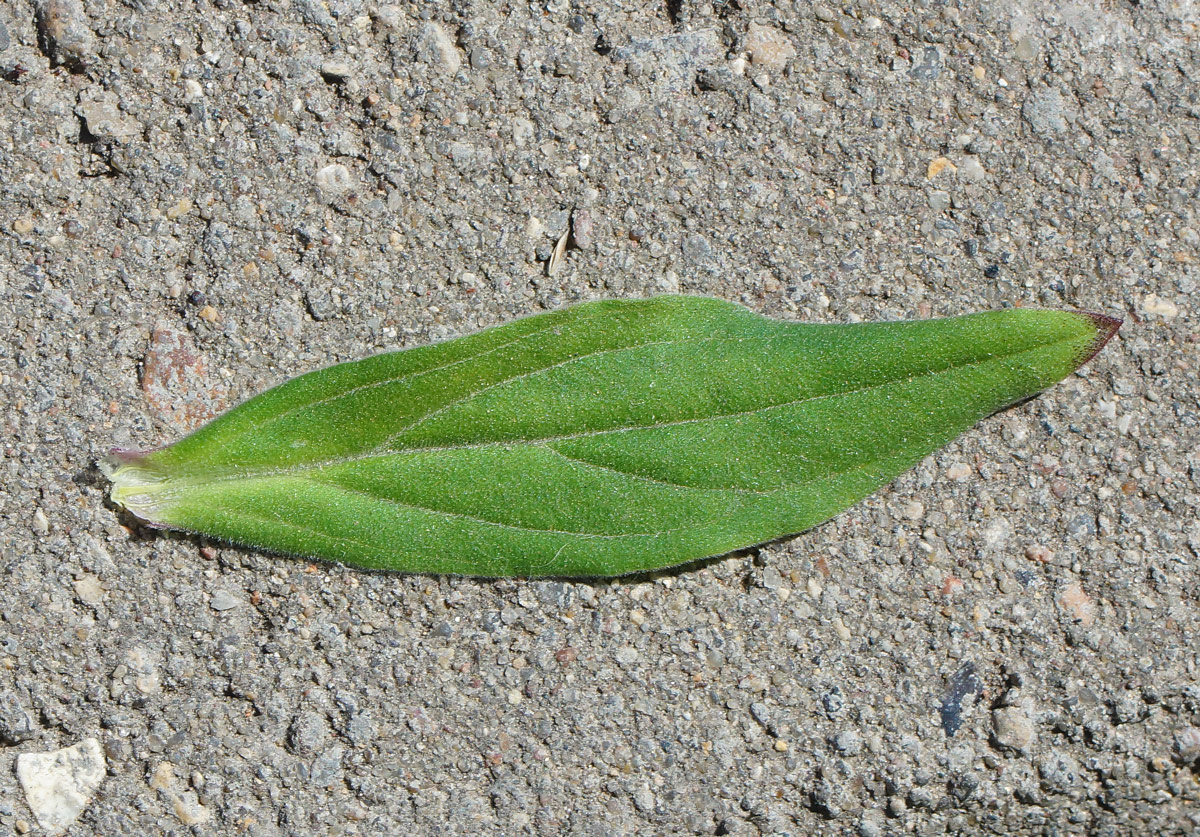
609, 438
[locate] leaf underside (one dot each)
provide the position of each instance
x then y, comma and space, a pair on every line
603, 439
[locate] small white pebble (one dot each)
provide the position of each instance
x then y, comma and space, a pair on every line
338, 70
334, 179
223, 600
1153, 304
958, 471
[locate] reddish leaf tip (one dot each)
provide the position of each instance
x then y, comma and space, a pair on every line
1105, 326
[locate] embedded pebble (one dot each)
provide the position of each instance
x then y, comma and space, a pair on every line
89, 589
99, 559
309, 731
335, 72
997, 533
1059, 772
223, 600
1154, 305
676, 59
184, 803
1012, 729
391, 15
480, 60
937, 166
583, 229
696, 248
1077, 605
761, 712
1044, 112
105, 120
58, 785
321, 303
827, 799
871, 824
316, 13
465, 154
962, 691
436, 48
929, 66
970, 169
326, 768
141, 664
175, 379
772, 579
181, 207
287, 318
920, 797
65, 32
1129, 708
16, 722
848, 742
1187, 745
186, 806
643, 799
522, 131
1039, 553
334, 179
768, 47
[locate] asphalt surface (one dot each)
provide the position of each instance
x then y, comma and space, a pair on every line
200, 200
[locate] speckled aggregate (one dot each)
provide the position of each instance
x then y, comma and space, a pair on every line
1002, 641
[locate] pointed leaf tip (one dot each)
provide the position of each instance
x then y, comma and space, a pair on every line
1105, 326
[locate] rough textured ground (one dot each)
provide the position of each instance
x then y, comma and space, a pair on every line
202, 199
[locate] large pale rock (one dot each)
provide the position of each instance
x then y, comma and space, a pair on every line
60, 784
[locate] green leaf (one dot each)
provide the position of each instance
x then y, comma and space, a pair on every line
608, 438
